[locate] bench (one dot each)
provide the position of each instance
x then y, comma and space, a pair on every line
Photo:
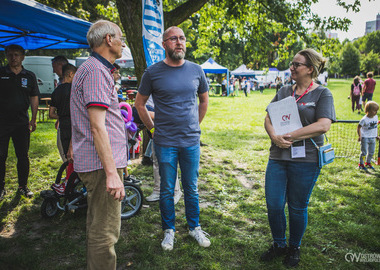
43, 110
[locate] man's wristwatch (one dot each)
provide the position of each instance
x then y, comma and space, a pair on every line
151, 130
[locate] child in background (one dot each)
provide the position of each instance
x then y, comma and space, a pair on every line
355, 94
367, 131
60, 109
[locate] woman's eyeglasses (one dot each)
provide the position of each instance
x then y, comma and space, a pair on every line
297, 64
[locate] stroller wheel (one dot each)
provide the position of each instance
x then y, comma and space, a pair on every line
49, 207
132, 201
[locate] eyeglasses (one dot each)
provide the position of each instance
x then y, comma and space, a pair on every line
175, 39
297, 64
122, 39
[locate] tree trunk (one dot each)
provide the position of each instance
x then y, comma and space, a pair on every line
130, 12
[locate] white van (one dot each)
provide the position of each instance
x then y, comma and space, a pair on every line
41, 66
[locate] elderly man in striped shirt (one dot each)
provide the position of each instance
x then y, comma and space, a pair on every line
99, 142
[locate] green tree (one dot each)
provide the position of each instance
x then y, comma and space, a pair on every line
246, 28
334, 60
350, 60
259, 32
370, 62
372, 42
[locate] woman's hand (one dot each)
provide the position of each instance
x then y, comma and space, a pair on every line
282, 141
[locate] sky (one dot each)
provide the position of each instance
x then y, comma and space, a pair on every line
368, 12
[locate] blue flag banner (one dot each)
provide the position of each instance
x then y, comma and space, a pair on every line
153, 29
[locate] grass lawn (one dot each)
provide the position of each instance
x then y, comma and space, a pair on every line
344, 211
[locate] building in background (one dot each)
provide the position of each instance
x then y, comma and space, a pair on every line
330, 34
373, 26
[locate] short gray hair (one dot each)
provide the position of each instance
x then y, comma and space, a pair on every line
98, 31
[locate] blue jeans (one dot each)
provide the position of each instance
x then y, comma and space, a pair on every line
367, 96
292, 182
188, 158
368, 145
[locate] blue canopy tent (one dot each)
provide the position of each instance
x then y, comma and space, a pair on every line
210, 66
36, 26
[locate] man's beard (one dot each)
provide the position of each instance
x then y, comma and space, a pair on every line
177, 55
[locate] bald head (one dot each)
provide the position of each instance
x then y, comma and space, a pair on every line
170, 29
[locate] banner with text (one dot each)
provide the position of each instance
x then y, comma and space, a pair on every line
153, 29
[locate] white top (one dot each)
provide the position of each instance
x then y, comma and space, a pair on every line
369, 126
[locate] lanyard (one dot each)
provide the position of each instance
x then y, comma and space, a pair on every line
304, 93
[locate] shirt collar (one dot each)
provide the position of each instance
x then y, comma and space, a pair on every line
8, 70
103, 61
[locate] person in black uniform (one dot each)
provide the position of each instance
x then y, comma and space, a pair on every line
60, 105
18, 91
60, 109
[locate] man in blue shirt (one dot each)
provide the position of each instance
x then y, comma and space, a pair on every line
174, 84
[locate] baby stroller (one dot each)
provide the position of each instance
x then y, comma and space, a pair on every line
75, 194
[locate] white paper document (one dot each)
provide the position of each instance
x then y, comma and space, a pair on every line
284, 115
298, 149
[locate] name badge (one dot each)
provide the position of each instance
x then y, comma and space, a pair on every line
298, 149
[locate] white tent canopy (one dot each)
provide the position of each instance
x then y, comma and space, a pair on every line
126, 59
243, 71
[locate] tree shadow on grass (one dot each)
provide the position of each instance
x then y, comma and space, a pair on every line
6, 208
28, 242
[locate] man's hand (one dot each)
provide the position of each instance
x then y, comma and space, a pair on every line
115, 187
32, 125
69, 154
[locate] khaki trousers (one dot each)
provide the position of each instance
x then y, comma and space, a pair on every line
103, 221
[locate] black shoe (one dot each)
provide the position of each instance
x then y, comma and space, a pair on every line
292, 258
2, 194
273, 252
131, 179
25, 191
202, 144
147, 161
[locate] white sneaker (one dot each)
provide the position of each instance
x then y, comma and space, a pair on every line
200, 236
177, 196
168, 242
154, 197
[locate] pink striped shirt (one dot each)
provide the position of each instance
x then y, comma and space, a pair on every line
93, 85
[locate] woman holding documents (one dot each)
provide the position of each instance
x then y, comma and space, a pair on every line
293, 160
